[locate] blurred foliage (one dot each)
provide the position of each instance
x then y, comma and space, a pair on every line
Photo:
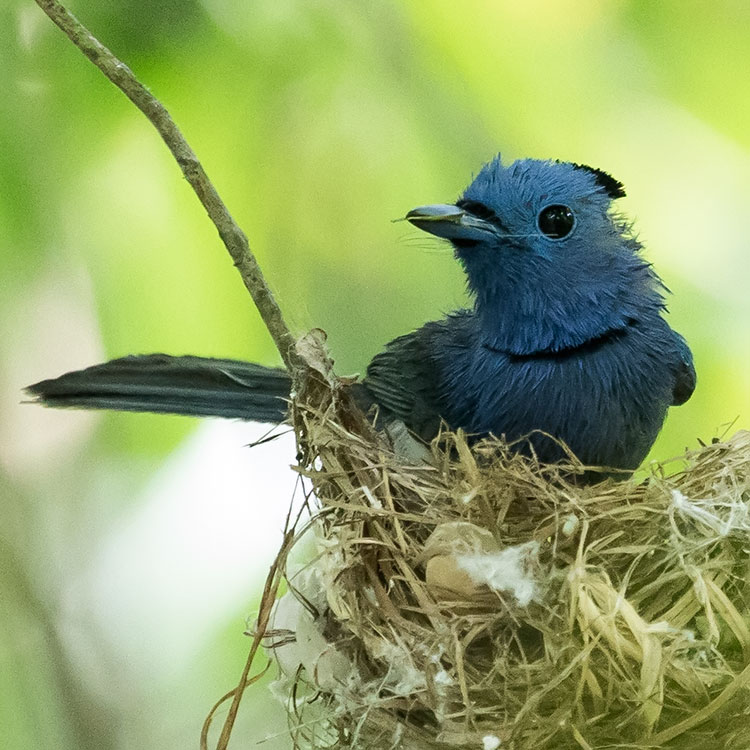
319, 122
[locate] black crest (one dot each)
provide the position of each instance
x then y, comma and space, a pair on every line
614, 188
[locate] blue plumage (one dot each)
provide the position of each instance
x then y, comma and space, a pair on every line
566, 335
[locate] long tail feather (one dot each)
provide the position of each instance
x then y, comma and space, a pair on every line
196, 386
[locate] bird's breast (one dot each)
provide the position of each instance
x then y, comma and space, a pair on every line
607, 405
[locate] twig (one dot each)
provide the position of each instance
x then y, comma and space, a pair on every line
236, 243
232, 236
270, 592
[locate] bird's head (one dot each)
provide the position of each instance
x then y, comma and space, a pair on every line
549, 262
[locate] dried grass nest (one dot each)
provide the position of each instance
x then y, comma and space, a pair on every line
485, 601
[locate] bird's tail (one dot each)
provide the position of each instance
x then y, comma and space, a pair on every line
196, 386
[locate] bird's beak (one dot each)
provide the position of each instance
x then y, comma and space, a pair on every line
450, 222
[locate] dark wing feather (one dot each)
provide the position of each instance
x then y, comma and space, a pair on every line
401, 381
406, 378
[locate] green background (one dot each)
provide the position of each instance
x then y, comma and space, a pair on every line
319, 122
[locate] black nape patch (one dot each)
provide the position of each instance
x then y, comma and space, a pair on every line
614, 188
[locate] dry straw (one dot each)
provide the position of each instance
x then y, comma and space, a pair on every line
485, 601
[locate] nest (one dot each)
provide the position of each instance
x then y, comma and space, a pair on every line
482, 600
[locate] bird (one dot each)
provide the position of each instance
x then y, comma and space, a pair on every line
565, 341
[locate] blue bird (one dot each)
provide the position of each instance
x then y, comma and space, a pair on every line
566, 335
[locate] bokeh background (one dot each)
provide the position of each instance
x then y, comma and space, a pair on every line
132, 548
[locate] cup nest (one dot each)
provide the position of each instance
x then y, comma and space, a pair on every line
482, 600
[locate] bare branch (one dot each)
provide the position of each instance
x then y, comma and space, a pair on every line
232, 236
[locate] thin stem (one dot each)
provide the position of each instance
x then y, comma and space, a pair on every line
232, 236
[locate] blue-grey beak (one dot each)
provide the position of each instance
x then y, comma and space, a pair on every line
451, 222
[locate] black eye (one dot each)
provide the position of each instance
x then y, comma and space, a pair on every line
556, 221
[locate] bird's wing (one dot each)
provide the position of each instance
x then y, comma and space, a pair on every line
684, 383
400, 381
404, 380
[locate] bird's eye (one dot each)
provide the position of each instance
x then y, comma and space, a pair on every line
556, 221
